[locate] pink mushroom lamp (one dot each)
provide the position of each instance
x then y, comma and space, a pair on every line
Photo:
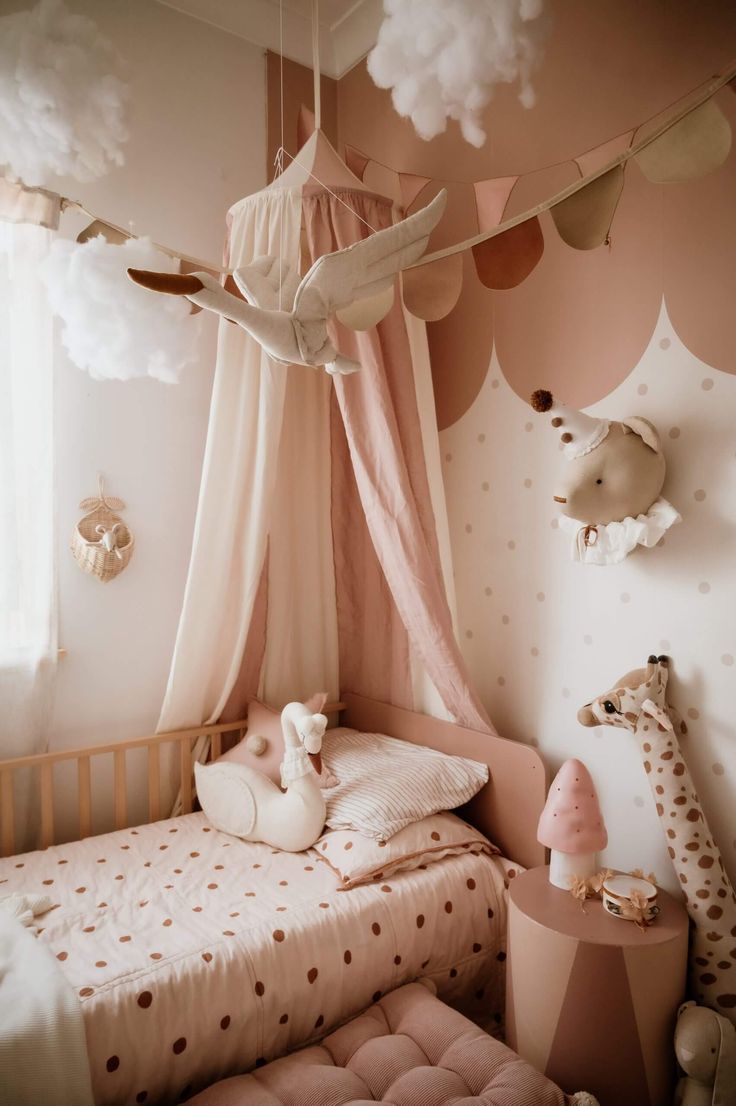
571, 825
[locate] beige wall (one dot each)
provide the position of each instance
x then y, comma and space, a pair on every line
646, 328
197, 124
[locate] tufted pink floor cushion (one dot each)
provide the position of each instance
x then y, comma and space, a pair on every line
408, 1049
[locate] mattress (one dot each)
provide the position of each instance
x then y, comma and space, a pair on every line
196, 955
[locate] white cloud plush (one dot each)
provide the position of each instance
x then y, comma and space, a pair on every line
113, 328
61, 100
443, 58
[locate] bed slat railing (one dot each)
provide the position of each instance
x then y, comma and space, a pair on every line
43, 765
185, 762
7, 813
47, 804
121, 791
84, 798
154, 783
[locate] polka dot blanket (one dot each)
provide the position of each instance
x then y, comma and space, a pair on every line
196, 956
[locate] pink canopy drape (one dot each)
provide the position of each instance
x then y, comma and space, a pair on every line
388, 579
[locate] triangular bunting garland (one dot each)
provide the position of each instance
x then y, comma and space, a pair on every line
411, 185
304, 126
20, 204
491, 197
508, 258
593, 160
368, 312
584, 219
431, 291
356, 161
696, 145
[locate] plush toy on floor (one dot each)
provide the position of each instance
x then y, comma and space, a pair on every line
239, 800
609, 491
705, 1046
638, 702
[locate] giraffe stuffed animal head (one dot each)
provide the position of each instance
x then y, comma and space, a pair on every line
638, 703
623, 705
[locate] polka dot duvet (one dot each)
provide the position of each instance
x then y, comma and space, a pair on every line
196, 955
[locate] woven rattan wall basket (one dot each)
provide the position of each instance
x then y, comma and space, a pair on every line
102, 544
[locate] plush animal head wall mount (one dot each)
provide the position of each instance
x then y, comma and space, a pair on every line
610, 483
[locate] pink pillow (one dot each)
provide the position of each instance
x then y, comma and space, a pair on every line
263, 722
357, 859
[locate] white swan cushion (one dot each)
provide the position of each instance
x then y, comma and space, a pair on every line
226, 797
386, 784
264, 723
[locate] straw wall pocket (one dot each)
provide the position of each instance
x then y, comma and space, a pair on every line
101, 543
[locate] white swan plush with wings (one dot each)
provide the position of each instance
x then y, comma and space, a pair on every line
289, 316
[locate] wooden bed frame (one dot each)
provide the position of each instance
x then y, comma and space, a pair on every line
506, 810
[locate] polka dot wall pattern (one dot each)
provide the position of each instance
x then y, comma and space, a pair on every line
538, 630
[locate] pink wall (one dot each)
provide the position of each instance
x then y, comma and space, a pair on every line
607, 66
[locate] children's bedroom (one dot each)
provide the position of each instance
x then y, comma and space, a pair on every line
368, 509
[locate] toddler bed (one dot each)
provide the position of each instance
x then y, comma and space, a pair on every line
196, 955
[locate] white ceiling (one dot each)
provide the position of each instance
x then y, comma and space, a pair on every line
347, 28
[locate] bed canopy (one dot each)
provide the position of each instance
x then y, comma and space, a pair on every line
321, 551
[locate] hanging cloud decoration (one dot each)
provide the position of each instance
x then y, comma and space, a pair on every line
113, 328
442, 58
61, 100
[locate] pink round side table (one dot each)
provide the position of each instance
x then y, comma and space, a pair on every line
591, 1000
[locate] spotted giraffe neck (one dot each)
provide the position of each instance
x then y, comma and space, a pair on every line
638, 703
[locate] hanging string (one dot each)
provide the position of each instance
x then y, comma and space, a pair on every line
281, 106
315, 67
334, 195
282, 151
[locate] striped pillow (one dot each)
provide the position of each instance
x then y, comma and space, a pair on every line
386, 784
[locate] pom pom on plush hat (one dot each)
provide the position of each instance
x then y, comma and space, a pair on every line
580, 433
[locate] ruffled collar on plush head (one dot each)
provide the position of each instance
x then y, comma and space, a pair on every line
611, 543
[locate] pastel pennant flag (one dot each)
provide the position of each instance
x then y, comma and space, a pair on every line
411, 185
356, 161
365, 313
99, 229
508, 258
491, 197
584, 219
431, 291
592, 160
696, 145
304, 126
19, 204
382, 180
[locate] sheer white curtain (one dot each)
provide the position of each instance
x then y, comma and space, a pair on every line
236, 494
28, 626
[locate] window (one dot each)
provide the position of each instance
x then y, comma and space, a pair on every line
27, 576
